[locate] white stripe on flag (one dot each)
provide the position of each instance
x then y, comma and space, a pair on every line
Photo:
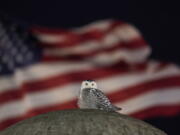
166, 96
44, 71
41, 71
100, 25
51, 38
130, 56
121, 33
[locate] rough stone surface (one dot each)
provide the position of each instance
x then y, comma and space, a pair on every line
82, 122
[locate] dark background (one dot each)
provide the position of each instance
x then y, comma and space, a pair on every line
158, 22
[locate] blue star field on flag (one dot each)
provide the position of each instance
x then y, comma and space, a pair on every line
17, 47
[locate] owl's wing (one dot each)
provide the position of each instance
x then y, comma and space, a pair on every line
101, 101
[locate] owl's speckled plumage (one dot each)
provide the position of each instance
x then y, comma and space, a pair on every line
92, 98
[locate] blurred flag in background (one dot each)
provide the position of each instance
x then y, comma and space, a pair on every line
41, 70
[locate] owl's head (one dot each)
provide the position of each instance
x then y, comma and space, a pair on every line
88, 84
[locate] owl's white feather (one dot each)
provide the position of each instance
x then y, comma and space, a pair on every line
92, 98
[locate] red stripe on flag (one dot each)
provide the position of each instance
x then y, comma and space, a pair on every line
55, 31
60, 80
76, 41
119, 95
68, 105
157, 111
44, 30
132, 45
156, 84
72, 38
169, 110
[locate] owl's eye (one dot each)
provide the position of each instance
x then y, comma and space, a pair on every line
86, 84
92, 84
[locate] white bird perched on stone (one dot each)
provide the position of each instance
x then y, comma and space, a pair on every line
92, 98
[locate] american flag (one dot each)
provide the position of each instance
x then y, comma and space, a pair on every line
42, 75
